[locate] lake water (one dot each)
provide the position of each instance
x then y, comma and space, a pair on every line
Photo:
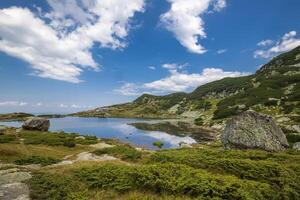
113, 128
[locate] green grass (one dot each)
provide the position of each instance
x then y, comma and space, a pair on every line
279, 170
37, 160
7, 138
158, 144
208, 173
55, 139
124, 152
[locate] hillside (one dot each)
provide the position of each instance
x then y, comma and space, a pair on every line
274, 89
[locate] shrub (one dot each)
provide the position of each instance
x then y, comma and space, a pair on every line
199, 121
293, 138
87, 141
258, 166
37, 160
124, 152
172, 179
158, 144
53, 187
55, 139
7, 138
69, 144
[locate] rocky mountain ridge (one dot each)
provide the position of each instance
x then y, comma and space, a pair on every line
274, 90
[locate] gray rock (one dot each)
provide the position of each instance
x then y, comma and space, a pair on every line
297, 146
296, 128
36, 123
251, 130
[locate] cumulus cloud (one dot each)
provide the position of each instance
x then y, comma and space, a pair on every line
288, 42
265, 43
61, 48
184, 19
13, 103
152, 67
221, 51
128, 89
177, 81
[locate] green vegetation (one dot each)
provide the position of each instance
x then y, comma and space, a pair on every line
37, 160
55, 139
14, 116
207, 173
124, 152
201, 172
158, 144
273, 90
199, 121
7, 138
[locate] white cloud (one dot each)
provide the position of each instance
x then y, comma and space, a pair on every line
221, 51
174, 66
63, 106
184, 19
219, 5
152, 67
177, 81
39, 104
75, 106
265, 43
288, 42
61, 49
13, 103
128, 89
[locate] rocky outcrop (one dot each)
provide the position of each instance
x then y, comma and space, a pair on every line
36, 123
12, 184
251, 130
296, 146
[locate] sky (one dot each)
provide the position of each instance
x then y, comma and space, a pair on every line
62, 56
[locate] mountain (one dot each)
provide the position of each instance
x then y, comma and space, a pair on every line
274, 89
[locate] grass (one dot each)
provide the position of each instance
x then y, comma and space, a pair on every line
208, 173
11, 152
56, 138
158, 144
124, 152
7, 138
37, 160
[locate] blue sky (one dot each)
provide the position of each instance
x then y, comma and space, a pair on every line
70, 55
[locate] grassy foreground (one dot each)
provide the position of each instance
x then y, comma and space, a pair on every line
202, 172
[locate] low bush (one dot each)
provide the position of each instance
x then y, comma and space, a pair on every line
158, 144
259, 166
173, 179
124, 152
292, 138
69, 144
37, 160
7, 138
53, 187
55, 138
199, 121
87, 141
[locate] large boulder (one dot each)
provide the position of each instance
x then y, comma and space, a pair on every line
251, 130
36, 123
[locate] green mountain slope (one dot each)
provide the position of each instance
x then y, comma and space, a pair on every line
274, 89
